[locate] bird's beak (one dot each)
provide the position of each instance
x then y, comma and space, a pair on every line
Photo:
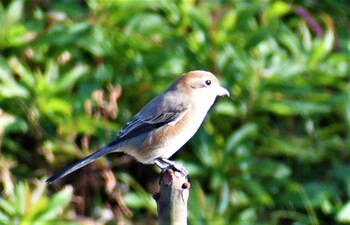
223, 91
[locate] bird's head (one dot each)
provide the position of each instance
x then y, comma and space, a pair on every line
201, 86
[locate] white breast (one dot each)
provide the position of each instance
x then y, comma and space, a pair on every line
191, 126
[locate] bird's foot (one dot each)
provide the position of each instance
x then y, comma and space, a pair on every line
175, 166
180, 168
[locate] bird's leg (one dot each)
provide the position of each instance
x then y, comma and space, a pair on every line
167, 161
159, 164
176, 166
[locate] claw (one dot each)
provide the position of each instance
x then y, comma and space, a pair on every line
181, 169
177, 167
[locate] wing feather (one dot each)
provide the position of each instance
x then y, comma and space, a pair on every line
162, 110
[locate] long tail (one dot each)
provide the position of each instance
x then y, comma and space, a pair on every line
83, 162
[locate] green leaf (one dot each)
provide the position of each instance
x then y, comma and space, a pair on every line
226, 108
71, 77
272, 168
133, 200
7, 207
14, 12
21, 191
9, 87
56, 204
343, 216
55, 105
4, 219
256, 189
224, 198
143, 198
276, 10
36, 207
51, 74
247, 131
294, 107
23, 71
11, 123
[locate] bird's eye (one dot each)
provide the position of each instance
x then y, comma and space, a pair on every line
208, 82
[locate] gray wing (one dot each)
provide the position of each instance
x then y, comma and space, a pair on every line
164, 109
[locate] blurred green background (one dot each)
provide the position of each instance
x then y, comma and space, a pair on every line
72, 73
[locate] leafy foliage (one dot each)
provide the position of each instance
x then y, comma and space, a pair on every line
73, 72
22, 205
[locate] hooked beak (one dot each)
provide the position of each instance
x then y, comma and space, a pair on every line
223, 92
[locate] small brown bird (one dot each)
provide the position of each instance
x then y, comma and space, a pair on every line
164, 125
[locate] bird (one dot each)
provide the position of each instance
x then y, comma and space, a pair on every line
163, 125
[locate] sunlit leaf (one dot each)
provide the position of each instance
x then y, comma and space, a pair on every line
343, 216
71, 77
14, 11
276, 9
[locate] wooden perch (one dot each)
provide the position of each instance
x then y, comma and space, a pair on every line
172, 198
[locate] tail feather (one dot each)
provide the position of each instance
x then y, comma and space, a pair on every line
77, 165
